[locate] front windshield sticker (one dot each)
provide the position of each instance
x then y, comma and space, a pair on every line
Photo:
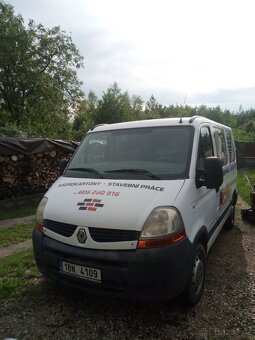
137, 186
90, 204
78, 184
113, 184
96, 192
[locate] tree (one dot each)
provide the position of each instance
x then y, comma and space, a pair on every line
39, 87
152, 108
114, 106
85, 116
136, 107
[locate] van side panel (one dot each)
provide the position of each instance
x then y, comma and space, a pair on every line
201, 207
193, 203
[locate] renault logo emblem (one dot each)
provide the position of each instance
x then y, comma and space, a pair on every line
81, 235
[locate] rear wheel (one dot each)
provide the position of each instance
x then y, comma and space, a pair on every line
195, 286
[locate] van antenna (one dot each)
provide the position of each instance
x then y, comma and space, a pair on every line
184, 102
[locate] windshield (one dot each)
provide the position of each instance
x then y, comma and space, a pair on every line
158, 152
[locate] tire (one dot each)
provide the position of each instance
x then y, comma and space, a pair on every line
230, 222
195, 287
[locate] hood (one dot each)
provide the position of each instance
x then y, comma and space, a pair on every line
115, 204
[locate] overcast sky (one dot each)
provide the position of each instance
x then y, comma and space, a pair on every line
193, 51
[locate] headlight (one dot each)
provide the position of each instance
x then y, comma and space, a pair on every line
163, 226
39, 214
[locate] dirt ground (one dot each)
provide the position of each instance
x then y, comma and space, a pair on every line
227, 309
4, 224
6, 251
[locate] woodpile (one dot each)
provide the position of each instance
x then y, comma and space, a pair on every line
22, 174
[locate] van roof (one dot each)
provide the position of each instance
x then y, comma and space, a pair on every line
180, 121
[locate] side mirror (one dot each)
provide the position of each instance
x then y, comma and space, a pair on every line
62, 165
212, 174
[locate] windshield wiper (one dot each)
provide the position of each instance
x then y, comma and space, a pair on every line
87, 170
139, 171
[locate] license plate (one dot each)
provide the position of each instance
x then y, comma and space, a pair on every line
82, 272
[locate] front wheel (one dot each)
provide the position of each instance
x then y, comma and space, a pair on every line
195, 286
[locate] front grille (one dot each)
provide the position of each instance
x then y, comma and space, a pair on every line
97, 234
60, 228
113, 235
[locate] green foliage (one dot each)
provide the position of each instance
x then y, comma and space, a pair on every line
38, 81
117, 106
179, 111
85, 116
114, 106
152, 108
241, 135
244, 188
41, 96
19, 233
29, 210
136, 108
12, 131
17, 272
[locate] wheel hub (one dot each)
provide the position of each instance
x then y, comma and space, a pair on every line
197, 275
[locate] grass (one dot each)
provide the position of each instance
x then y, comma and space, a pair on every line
17, 272
20, 212
13, 235
244, 188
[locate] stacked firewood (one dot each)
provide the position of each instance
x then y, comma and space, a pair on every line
29, 173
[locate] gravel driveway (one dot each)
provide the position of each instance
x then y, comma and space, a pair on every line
227, 309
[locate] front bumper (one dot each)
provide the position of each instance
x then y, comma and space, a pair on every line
142, 274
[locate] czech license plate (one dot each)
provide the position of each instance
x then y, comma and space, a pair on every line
83, 272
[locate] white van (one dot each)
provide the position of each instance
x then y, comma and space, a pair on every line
138, 207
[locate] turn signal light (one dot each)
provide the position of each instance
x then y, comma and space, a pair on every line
39, 227
160, 242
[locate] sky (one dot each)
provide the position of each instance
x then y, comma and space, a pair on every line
190, 52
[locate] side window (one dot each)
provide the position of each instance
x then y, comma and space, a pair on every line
231, 147
221, 147
205, 147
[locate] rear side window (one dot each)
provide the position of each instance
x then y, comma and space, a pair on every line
231, 146
221, 147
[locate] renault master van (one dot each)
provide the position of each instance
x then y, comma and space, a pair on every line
138, 207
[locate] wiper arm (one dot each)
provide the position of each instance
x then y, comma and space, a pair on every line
87, 170
139, 171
